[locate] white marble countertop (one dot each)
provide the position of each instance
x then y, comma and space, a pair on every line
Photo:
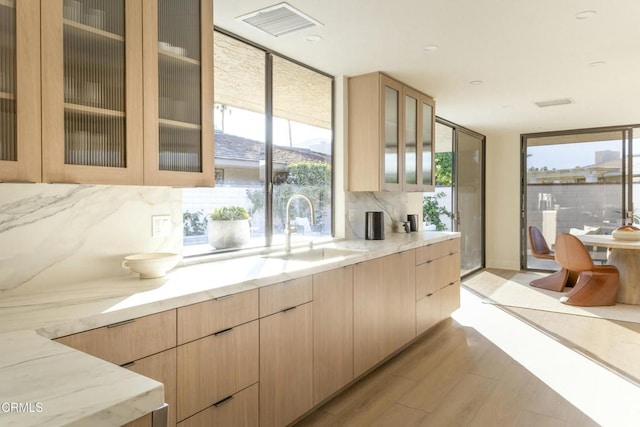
73, 388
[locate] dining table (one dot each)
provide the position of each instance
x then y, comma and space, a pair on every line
625, 255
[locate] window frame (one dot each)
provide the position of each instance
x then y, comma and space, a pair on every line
269, 138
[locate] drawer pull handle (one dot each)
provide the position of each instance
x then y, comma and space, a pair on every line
126, 322
222, 332
429, 294
288, 309
223, 401
128, 365
223, 297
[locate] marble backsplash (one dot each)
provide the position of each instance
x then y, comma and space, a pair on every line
52, 234
395, 206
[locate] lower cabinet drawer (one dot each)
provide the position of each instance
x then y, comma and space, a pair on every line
238, 410
428, 312
160, 367
214, 367
127, 341
450, 299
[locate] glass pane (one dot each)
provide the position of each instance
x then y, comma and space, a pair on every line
574, 185
391, 124
427, 146
470, 196
239, 121
635, 173
94, 66
179, 85
438, 206
302, 139
410, 139
8, 142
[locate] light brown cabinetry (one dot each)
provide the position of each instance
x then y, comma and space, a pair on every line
208, 317
437, 282
178, 64
160, 367
128, 341
332, 332
20, 121
390, 135
286, 354
214, 368
238, 410
83, 102
145, 345
218, 358
384, 308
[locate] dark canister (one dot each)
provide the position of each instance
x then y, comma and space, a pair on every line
374, 226
413, 222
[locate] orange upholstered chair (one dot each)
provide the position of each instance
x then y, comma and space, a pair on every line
540, 249
596, 285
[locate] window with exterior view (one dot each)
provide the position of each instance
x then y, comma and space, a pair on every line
579, 182
295, 157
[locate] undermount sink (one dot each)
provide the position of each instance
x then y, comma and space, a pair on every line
316, 254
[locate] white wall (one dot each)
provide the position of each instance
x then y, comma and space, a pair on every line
503, 201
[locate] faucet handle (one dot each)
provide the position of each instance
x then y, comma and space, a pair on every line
293, 228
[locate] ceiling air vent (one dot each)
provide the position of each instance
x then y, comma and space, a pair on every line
554, 102
279, 20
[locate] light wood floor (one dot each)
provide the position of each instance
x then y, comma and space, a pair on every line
470, 371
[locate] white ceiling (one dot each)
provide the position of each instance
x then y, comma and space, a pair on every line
523, 50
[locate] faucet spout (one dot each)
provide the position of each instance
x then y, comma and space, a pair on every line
287, 226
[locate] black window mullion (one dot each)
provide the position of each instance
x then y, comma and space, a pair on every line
268, 167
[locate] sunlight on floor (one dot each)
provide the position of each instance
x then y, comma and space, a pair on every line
604, 396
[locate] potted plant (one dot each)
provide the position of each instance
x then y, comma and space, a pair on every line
228, 227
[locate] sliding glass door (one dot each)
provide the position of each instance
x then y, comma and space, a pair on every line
578, 182
459, 195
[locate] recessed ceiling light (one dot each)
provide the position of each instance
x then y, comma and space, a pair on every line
586, 14
314, 38
476, 82
431, 47
597, 64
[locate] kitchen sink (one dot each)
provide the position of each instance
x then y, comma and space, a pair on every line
316, 254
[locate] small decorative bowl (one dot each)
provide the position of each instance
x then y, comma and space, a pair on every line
151, 265
626, 232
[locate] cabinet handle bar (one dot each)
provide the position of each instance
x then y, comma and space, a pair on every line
223, 401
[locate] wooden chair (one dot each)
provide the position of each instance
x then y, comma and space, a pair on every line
540, 249
596, 285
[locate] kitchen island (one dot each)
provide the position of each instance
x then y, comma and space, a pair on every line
74, 388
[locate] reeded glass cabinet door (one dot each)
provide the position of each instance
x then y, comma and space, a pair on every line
20, 74
410, 139
8, 142
392, 157
427, 163
178, 80
92, 94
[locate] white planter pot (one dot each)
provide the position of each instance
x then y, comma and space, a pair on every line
228, 234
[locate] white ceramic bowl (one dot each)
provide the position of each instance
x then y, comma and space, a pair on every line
151, 265
619, 234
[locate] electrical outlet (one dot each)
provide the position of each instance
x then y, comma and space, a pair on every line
160, 225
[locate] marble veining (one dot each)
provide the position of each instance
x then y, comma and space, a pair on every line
72, 388
53, 233
77, 389
395, 206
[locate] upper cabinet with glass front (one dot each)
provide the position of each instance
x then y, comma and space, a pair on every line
178, 63
126, 91
390, 136
20, 123
92, 91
